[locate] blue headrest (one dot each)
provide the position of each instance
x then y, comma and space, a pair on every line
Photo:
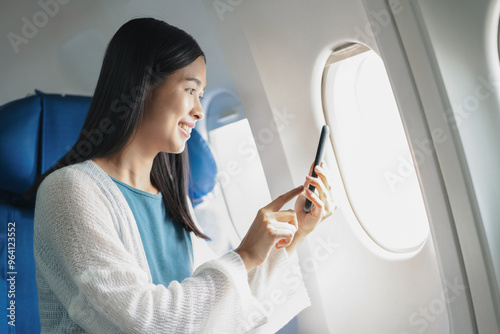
37, 131
203, 168
19, 133
34, 133
62, 122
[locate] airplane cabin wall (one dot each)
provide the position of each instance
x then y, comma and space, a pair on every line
277, 51
453, 53
467, 54
64, 54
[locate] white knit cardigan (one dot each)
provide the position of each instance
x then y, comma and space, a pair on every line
93, 277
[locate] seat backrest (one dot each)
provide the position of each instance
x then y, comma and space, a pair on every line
35, 132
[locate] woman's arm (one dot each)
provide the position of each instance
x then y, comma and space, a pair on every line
81, 257
277, 284
270, 228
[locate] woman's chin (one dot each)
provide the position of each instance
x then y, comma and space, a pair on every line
175, 150
181, 148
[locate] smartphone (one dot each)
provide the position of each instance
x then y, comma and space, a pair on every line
317, 160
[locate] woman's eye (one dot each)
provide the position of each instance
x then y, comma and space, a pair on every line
191, 91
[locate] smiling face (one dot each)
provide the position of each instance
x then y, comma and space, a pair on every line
174, 109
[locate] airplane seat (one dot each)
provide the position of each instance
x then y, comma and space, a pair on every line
35, 132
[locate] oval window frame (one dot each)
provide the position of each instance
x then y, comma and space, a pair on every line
339, 54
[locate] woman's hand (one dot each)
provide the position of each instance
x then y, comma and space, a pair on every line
271, 227
322, 199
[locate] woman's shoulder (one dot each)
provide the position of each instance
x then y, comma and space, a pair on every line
69, 179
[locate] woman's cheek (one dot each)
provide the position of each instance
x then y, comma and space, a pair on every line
188, 105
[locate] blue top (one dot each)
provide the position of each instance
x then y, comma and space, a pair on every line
167, 244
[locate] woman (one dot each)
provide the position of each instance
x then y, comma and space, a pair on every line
115, 238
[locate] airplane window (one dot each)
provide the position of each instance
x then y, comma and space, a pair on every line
372, 151
241, 176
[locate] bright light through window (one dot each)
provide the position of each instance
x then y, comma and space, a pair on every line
241, 189
240, 175
372, 150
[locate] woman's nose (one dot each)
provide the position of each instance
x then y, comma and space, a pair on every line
198, 111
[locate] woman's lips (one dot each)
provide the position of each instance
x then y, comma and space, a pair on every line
185, 130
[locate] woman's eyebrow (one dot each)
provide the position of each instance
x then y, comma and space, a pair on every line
198, 82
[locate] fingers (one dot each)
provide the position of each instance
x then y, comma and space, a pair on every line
283, 232
322, 183
278, 203
314, 198
269, 229
322, 172
282, 225
318, 184
288, 216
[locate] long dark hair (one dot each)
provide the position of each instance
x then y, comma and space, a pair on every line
139, 57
